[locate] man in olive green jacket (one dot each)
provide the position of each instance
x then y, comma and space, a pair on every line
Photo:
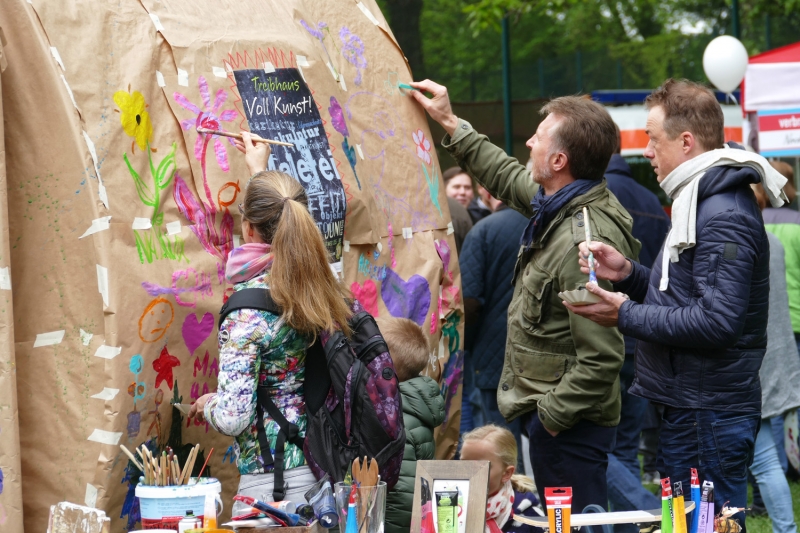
561, 370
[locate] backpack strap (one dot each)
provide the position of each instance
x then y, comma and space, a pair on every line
289, 432
249, 299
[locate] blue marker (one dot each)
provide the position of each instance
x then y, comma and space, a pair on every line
696, 499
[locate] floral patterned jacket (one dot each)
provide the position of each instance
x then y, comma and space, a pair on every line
257, 347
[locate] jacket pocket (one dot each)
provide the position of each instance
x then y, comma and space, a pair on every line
539, 366
535, 300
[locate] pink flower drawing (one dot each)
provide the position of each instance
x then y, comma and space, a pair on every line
423, 146
209, 117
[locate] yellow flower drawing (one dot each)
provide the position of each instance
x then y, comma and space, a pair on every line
134, 117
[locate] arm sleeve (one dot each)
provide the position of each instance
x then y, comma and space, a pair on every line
232, 410
502, 175
724, 260
601, 352
635, 285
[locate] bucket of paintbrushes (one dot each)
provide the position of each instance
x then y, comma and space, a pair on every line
361, 508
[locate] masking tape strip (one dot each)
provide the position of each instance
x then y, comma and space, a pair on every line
105, 437
106, 394
160, 79
337, 269
379, 246
49, 338
5, 279
302, 61
183, 78
98, 224
360, 153
237, 241
108, 352
450, 229
156, 22
57, 57
86, 337
91, 495
269, 68
408, 233
342, 83
333, 72
346, 246
302, 74
219, 72
102, 283
141, 223
69, 90
173, 228
101, 189
364, 9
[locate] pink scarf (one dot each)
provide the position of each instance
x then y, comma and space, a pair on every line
499, 508
247, 261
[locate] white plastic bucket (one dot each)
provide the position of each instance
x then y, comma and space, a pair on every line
164, 507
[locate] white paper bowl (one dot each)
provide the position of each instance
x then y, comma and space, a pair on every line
579, 297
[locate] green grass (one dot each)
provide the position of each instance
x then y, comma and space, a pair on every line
762, 524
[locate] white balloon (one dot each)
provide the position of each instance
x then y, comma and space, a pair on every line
725, 62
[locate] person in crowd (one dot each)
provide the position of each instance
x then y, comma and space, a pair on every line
510, 494
700, 314
284, 252
423, 410
458, 186
481, 206
780, 374
784, 223
462, 222
487, 266
650, 226
561, 371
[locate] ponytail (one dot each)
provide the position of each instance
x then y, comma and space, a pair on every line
301, 281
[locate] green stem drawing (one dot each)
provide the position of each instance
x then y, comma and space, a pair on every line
433, 187
162, 177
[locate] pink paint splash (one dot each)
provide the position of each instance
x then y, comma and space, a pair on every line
217, 243
367, 295
433, 323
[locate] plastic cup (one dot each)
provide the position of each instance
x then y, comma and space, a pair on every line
370, 506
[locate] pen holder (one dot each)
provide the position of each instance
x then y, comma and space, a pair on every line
369, 508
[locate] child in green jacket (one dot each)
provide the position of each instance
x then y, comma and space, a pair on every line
423, 410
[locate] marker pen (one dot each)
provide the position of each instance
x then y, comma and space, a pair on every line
703, 513
695, 487
667, 517
679, 506
710, 517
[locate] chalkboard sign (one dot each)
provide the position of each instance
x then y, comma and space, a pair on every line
279, 106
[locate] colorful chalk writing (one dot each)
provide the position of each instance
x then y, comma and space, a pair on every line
195, 332
319, 32
204, 368
366, 268
406, 299
353, 51
156, 320
163, 366
367, 295
230, 455
293, 116
199, 285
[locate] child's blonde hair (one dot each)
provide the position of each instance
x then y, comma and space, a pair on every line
505, 447
408, 346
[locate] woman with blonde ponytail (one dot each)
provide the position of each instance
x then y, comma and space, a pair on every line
510, 494
283, 252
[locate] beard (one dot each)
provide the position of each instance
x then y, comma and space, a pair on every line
541, 172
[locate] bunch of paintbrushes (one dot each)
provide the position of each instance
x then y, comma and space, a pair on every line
164, 469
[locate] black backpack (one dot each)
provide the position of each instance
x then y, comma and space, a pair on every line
346, 380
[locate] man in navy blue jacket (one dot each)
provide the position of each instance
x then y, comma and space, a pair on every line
650, 226
700, 316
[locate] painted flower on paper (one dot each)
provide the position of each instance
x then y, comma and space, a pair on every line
134, 117
423, 146
316, 32
209, 117
353, 51
337, 117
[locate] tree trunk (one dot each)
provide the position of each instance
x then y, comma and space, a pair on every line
404, 18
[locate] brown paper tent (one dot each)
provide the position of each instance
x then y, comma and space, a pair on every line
116, 216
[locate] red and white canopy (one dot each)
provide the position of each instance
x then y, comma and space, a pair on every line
772, 80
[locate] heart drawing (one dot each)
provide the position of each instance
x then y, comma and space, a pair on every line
406, 299
196, 332
367, 295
